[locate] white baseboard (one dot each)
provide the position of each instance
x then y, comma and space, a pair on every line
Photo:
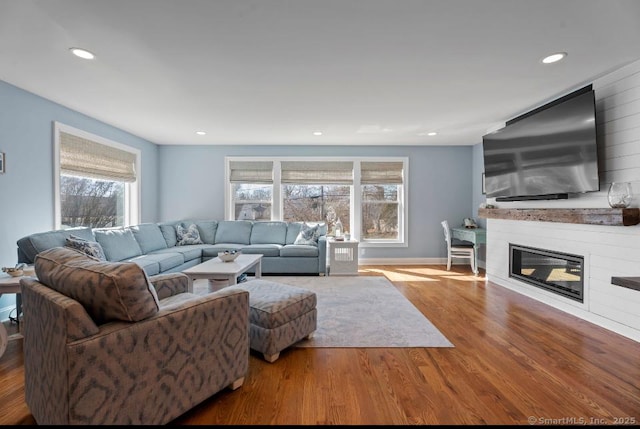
402, 261
412, 261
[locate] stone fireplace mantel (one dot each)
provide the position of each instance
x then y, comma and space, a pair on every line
598, 216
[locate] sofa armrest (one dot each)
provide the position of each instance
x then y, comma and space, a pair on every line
170, 284
322, 254
65, 317
51, 321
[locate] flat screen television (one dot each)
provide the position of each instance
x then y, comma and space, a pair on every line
548, 153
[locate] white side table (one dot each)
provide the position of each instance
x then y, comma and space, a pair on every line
9, 285
343, 257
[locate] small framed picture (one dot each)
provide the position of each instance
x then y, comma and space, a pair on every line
1, 162
484, 189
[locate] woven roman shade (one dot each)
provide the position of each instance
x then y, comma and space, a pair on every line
87, 158
251, 171
317, 172
381, 173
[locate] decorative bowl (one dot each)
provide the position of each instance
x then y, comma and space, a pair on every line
228, 255
13, 272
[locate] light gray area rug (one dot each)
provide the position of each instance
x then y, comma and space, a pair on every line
364, 311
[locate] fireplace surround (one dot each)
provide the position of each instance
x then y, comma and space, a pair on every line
557, 272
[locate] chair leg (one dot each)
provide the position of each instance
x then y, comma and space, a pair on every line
448, 262
236, 384
271, 358
473, 263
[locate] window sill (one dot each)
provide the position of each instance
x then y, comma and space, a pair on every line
371, 243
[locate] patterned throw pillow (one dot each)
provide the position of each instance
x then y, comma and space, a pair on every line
308, 235
190, 235
90, 248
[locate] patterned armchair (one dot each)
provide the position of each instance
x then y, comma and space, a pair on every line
105, 344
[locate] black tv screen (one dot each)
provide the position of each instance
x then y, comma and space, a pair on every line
549, 153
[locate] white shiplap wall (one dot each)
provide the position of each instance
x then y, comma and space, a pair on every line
608, 251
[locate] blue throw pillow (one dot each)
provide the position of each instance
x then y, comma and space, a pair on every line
90, 248
308, 235
187, 236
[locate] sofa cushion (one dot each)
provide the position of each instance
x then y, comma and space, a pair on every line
268, 250
91, 248
207, 229
211, 251
293, 229
299, 250
33, 244
150, 266
234, 231
168, 230
118, 244
149, 237
107, 290
165, 261
187, 235
189, 252
269, 233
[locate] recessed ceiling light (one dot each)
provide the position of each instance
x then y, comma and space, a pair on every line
554, 57
432, 133
82, 53
317, 133
201, 133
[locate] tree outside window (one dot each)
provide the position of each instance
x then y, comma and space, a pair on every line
317, 203
91, 203
380, 207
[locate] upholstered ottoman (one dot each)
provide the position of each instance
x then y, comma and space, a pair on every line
279, 316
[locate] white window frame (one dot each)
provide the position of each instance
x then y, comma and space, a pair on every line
355, 197
132, 193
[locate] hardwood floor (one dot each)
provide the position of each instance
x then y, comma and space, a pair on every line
515, 361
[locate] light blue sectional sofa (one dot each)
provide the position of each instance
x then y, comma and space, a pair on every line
154, 246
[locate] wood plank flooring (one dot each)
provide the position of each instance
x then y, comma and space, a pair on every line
515, 361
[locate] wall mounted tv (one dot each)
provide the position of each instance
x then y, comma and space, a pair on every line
548, 153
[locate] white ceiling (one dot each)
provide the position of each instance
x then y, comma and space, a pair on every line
364, 72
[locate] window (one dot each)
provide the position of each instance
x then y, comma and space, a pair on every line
366, 194
96, 181
251, 189
381, 200
317, 191
90, 202
322, 203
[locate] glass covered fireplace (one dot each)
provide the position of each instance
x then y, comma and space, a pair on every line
560, 273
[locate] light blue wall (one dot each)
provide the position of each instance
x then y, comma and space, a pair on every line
26, 189
441, 186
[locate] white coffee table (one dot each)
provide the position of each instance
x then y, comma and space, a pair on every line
215, 268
